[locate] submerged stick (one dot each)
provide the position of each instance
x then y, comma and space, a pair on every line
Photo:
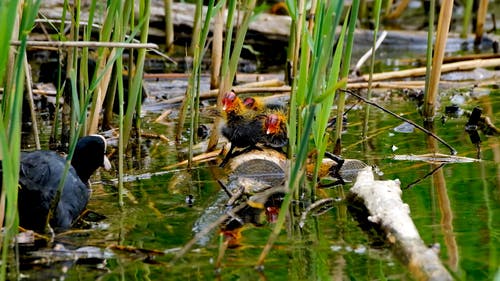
382, 200
452, 150
420, 71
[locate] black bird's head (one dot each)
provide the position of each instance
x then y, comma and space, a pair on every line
90, 154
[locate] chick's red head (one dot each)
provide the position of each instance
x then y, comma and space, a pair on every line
228, 101
272, 124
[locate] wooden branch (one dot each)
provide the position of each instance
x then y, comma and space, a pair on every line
64, 44
420, 71
383, 201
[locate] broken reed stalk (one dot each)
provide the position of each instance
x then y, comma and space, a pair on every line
31, 104
217, 43
452, 150
437, 61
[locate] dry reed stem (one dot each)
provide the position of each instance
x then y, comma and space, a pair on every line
481, 17
437, 60
198, 158
217, 47
420, 71
31, 103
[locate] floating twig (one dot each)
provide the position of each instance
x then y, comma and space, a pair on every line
452, 150
65, 44
198, 158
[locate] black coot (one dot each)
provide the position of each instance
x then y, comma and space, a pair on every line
39, 176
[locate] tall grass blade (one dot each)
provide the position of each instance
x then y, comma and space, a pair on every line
466, 18
134, 92
311, 101
376, 15
10, 125
344, 72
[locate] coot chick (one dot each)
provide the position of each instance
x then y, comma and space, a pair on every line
39, 176
232, 106
260, 105
244, 128
275, 130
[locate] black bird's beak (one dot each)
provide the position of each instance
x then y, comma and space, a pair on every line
106, 164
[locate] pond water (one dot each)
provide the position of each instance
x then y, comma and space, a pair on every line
455, 208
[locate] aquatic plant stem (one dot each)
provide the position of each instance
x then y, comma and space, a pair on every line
217, 43
437, 61
466, 18
481, 18
344, 72
376, 14
430, 45
192, 91
196, 28
121, 144
143, 26
169, 26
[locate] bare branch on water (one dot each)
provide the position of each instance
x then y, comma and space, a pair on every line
61, 44
452, 150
